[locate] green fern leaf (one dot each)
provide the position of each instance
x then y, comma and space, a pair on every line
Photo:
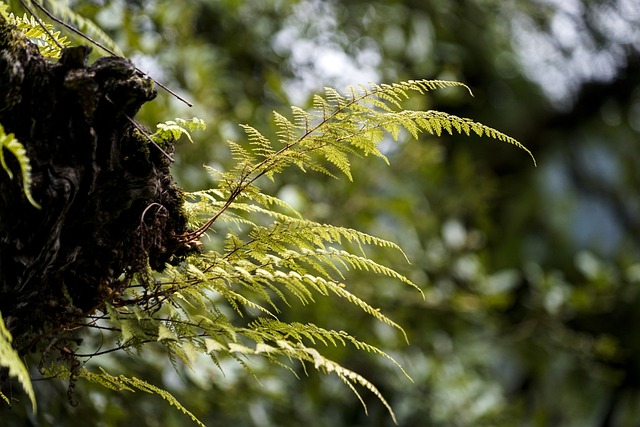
131, 384
4, 11
10, 359
347, 376
49, 41
63, 11
11, 144
435, 121
174, 129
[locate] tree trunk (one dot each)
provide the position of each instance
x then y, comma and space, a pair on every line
109, 205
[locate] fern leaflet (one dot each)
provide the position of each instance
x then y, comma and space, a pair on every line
11, 144
10, 359
132, 384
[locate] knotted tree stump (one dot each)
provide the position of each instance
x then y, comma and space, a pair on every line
109, 206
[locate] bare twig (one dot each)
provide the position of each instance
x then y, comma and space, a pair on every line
92, 41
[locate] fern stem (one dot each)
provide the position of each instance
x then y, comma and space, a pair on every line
246, 180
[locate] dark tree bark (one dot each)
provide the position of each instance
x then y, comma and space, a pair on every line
109, 205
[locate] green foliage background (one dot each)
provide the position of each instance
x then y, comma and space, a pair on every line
531, 275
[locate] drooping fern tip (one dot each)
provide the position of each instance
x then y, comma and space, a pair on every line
384, 96
12, 145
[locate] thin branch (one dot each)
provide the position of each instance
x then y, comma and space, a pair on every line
137, 126
95, 43
42, 24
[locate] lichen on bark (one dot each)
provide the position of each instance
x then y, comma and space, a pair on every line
110, 208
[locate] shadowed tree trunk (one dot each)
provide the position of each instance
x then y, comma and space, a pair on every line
109, 205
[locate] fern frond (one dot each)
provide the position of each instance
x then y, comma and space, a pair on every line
121, 382
10, 360
303, 119
313, 333
435, 122
289, 232
274, 339
347, 376
174, 129
286, 130
4, 11
261, 144
11, 144
259, 278
83, 24
32, 29
343, 126
365, 264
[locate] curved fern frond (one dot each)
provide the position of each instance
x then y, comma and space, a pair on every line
315, 334
275, 340
340, 127
348, 377
4, 11
66, 14
49, 41
11, 144
174, 129
435, 122
122, 382
10, 359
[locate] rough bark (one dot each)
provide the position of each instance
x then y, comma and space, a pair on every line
109, 205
